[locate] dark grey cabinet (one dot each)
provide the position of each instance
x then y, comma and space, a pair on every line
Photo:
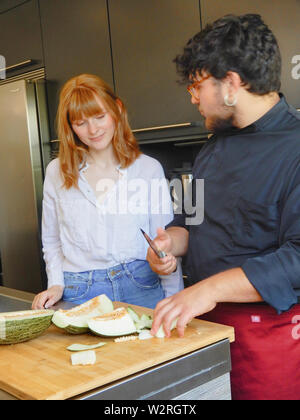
20, 39
76, 40
146, 36
283, 17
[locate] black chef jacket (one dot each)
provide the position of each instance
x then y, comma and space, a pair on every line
251, 206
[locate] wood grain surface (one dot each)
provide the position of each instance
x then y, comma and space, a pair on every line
41, 369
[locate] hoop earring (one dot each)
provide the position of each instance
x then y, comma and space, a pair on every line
226, 101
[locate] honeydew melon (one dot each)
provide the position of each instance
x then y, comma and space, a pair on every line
17, 327
161, 332
113, 324
83, 347
84, 358
140, 322
75, 320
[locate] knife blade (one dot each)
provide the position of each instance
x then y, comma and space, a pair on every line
158, 252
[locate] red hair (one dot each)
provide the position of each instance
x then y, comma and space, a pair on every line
78, 100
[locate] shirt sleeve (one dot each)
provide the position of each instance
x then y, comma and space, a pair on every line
276, 275
52, 249
161, 213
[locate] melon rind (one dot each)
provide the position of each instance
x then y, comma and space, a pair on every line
114, 324
21, 326
75, 320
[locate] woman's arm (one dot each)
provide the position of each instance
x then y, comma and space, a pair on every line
52, 249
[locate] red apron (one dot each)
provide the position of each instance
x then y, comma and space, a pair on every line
266, 353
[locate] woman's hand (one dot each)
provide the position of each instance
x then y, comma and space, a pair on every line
48, 298
166, 265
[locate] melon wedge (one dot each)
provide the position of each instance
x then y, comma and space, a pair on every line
17, 327
75, 320
113, 324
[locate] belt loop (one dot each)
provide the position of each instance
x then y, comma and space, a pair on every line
91, 278
125, 267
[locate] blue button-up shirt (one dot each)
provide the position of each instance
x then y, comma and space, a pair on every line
251, 206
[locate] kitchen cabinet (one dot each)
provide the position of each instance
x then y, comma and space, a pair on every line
283, 18
20, 41
146, 36
76, 40
6, 5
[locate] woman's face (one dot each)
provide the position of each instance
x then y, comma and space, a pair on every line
97, 131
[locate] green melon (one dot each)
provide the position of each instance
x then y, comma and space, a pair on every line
75, 320
17, 327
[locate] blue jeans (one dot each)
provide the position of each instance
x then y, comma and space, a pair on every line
133, 283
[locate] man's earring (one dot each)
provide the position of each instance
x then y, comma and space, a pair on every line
226, 100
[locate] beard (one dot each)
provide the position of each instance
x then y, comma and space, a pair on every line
218, 125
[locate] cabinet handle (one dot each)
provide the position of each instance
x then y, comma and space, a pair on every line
18, 65
191, 143
164, 127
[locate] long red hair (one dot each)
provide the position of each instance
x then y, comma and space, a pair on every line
78, 100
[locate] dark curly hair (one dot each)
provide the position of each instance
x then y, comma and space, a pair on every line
243, 44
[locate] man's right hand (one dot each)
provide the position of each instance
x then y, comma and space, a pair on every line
166, 265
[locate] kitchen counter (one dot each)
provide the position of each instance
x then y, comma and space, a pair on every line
201, 374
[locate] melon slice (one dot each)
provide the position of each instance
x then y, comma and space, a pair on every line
82, 347
140, 322
113, 324
84, 358
17, 327
161, 332
75, 320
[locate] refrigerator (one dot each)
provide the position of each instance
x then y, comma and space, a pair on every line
25, 153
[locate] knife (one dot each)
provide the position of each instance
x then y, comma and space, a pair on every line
158, 252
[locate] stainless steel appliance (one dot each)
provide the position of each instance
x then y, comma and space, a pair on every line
180, 189
25, 152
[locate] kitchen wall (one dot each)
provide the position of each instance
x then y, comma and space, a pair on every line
131, 44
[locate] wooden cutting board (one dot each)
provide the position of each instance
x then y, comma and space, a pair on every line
41, 369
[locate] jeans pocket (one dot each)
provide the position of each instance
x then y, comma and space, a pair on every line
75, 288
142, 276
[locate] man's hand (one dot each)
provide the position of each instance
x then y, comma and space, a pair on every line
185, 305
166, 265
228, 286
48, 297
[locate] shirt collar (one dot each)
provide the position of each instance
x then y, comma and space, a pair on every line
272, 115
84, 166
267, 121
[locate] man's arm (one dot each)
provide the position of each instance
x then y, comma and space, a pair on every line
228, 286
180, 239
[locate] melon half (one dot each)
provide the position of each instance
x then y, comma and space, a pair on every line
75, 320
113, 324
17, 327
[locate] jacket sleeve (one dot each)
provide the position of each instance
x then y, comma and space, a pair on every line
276, 275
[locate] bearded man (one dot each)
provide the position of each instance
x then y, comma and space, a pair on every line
244, 259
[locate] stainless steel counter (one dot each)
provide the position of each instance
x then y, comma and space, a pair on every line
200, 375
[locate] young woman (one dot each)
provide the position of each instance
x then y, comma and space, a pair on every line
98, 194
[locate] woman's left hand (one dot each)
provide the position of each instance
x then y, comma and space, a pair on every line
48, 298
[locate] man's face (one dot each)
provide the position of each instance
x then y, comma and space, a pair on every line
209, 98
